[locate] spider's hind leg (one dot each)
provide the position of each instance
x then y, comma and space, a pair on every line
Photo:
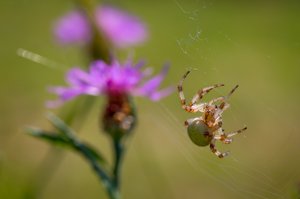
223, 138
216, 151
226, 138
236, 132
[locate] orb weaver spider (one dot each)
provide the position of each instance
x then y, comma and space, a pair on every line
207, 129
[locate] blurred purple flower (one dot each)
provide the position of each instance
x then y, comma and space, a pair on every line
72, 28
119, 27
122, 29
113, 79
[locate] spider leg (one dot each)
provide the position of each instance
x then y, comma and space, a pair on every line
216, 151
181, 94
232, 91
199, 95
226, 138
224, 105
223, 98
222, 137
217, 126
191, 107
220, 109
236, 132
216, 100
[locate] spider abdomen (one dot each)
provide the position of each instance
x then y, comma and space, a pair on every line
199, 133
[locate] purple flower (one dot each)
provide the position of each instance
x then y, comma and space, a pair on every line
72, 28
113, 79
122, 29
119, 27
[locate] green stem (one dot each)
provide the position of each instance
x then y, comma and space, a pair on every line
118, 153
101, 173
98, 47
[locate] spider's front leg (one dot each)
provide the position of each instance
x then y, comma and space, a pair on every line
188, 108
224, 105
192, 107
199, 95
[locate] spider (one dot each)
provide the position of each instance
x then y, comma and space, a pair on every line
207, 129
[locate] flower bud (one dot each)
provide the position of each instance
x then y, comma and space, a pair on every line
119, 117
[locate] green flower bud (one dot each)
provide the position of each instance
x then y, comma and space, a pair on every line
119, 117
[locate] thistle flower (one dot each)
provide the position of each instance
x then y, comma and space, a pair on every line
111, 79
73, 28
119, 27
116, 81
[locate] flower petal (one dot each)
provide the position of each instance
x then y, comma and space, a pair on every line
151, 85
121, 28
65, 93
156, 96
77, 77
72, 28
114, 78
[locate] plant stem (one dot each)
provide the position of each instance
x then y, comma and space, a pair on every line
98, 48
118, 153
101, 173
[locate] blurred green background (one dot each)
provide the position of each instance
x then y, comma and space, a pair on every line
255, 44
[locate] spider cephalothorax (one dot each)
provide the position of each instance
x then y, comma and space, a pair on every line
206, 129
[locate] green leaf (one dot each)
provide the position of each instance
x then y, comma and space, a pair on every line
48, 136
67, 137
90, 152
61, 126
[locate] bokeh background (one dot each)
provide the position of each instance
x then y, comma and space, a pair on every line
255, 44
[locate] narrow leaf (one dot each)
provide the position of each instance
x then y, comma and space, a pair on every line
48, 136
90, 152
61, 126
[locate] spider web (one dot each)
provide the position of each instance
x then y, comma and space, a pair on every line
240, 175
256, 183
224, 173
